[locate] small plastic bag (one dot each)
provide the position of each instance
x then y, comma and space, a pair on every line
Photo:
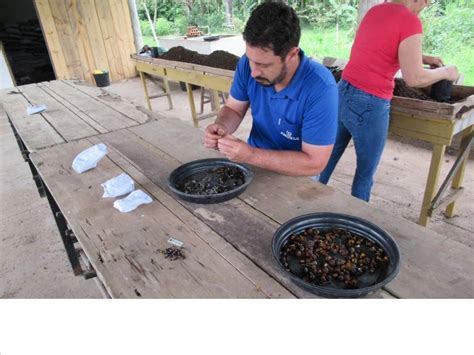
88, 159
118, 186
132, 201
32, 109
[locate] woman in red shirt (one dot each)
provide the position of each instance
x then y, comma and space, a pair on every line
389, 38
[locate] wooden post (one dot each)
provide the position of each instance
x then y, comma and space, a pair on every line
137, 32
467, 136
432, 181
142, 77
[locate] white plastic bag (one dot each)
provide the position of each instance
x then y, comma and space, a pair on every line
88, 159
132, 201
32, 109
118, 186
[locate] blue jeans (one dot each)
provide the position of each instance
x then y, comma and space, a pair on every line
364, 118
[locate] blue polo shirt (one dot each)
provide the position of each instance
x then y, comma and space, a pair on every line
304, 111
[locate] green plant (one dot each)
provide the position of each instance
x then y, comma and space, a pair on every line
163, 27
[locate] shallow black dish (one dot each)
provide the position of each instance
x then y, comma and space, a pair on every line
198, 167
325, 221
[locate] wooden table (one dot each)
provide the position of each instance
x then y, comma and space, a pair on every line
75, 110
216, 80
438, 123
227, 245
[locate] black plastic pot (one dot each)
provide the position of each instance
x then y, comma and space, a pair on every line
361, 227
198, 167
441, 90
102, 79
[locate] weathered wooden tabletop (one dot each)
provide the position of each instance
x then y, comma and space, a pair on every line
227, 245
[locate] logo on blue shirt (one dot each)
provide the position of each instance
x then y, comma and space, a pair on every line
289, 136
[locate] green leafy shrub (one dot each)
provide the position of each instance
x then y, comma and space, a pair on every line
163, 27
181, 25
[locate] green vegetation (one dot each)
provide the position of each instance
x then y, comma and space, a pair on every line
328, 25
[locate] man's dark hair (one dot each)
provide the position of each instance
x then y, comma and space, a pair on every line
273, 25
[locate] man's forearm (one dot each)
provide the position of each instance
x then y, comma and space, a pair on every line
229, 119
287, 162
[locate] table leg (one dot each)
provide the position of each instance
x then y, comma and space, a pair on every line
215, 100
189, 89
168, 92
142, 77
467, 136
432, 181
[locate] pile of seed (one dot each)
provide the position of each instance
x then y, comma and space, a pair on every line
212, 181
335, 258
173, 253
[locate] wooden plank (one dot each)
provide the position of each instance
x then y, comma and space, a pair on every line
114, 58
81, 38
100, 113
35, 131
281, 198
66, 39
65, 122
130, 40
430, 130
123, 246
115, 102
121, 38
52, 40
79, 114
91, 22
197, 78
423, 108
183, 65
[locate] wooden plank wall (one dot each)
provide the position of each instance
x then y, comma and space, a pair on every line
83, 35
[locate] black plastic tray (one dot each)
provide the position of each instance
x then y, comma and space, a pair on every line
324, 221
186, 170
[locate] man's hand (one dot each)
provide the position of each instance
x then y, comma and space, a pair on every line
234, 149
212, 134
433, 62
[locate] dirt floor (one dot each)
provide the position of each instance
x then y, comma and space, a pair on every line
33, 263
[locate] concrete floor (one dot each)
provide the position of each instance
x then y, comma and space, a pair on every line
33, 263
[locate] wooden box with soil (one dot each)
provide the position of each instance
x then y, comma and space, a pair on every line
417, 102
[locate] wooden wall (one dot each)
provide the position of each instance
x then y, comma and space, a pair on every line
83, 35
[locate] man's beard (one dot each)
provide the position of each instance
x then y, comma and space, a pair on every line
278, 79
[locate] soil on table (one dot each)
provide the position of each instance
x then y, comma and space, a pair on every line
225, 60
402, 89
334, 258
212, 181
217, 59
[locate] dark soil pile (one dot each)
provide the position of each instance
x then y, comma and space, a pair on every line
221, 59
402, 89
181, 54
217, 59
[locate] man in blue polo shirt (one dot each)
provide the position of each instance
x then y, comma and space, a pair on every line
293, 100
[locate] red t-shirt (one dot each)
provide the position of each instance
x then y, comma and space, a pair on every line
374, 56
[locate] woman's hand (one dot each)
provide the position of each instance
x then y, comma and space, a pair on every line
433, 62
